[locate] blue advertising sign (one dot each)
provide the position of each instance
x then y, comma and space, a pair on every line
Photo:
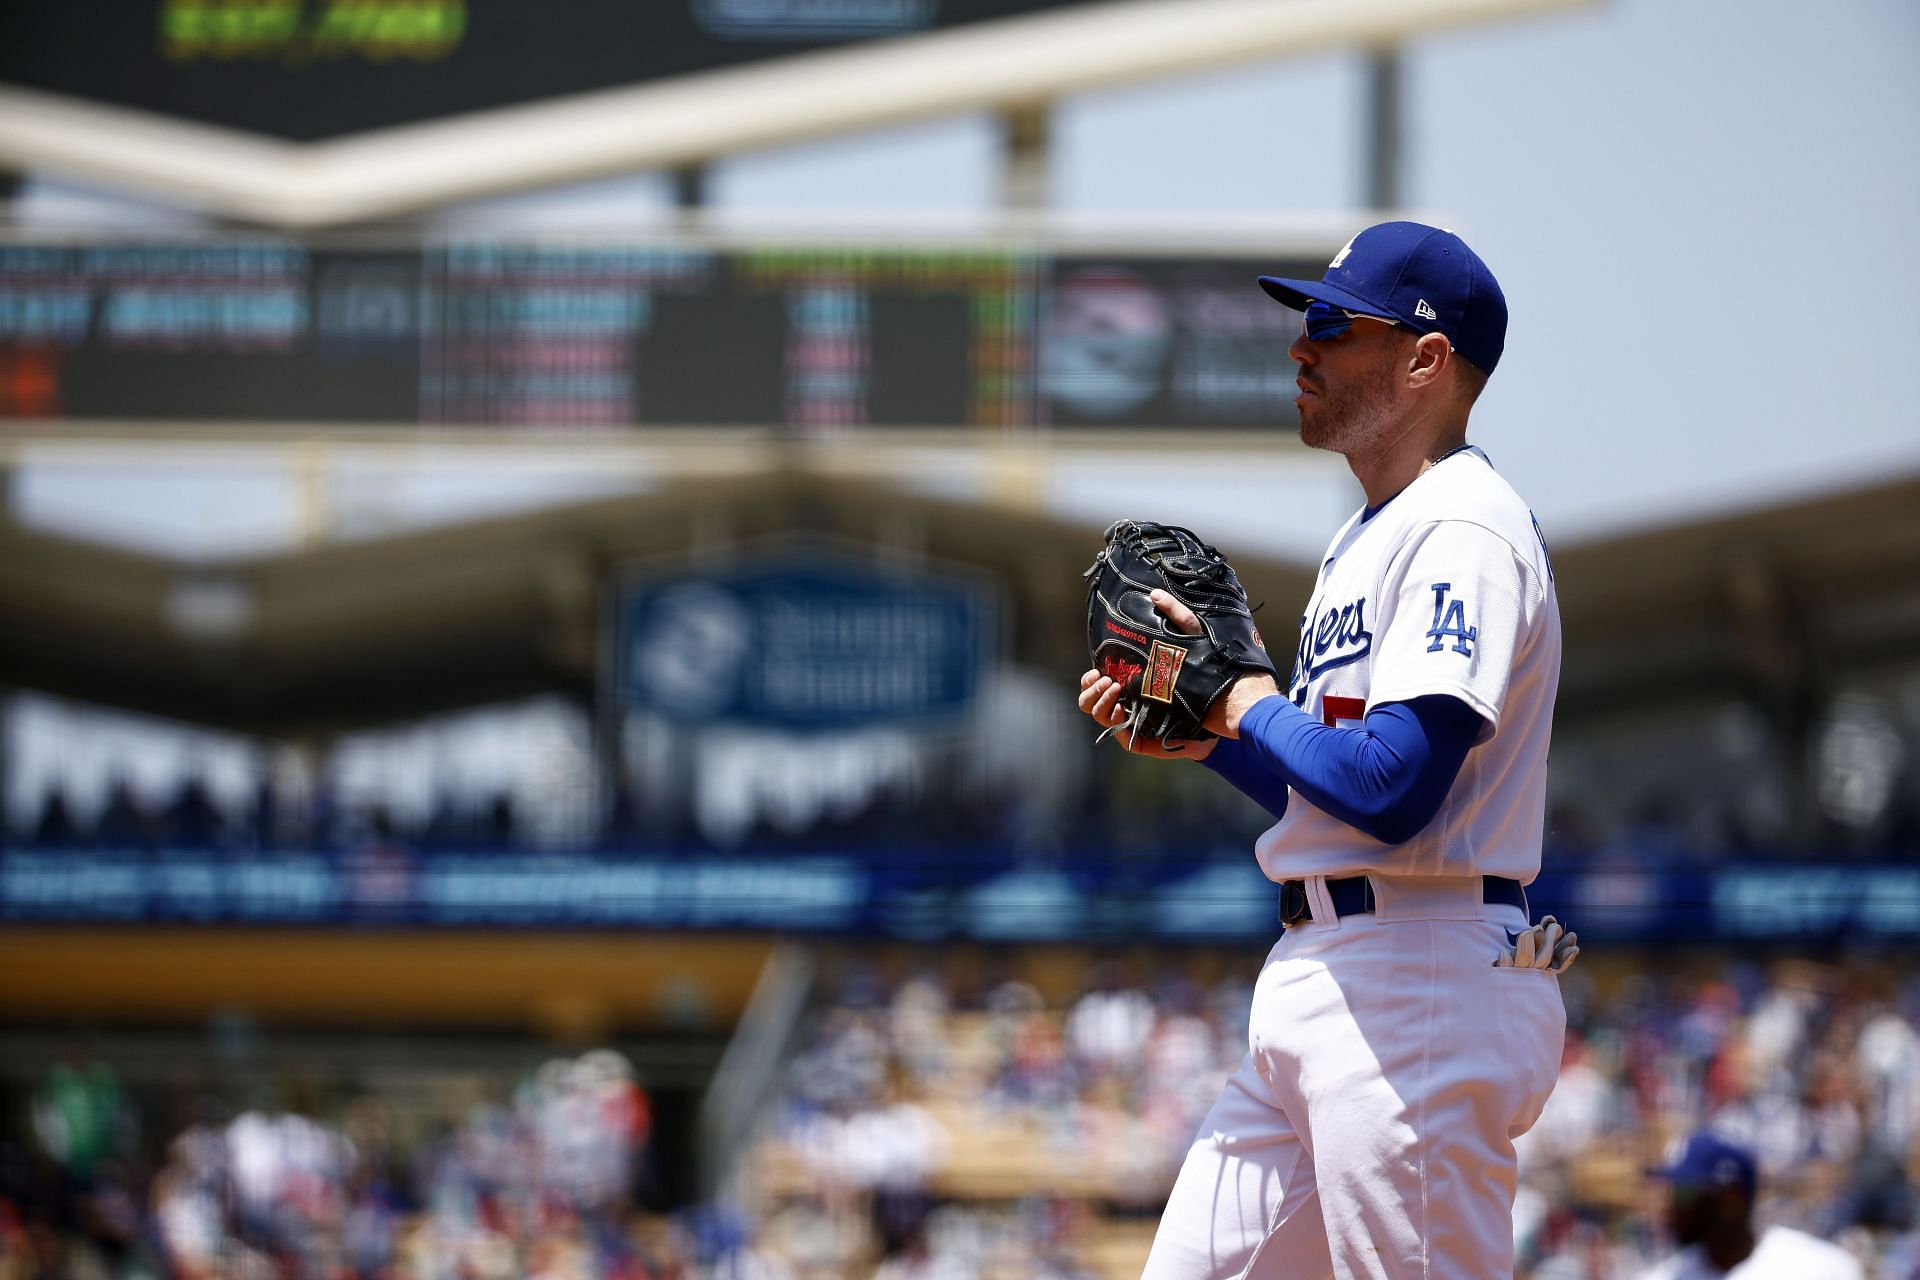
820, 644
979, 895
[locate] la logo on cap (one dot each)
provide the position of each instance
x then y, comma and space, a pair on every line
1341, 256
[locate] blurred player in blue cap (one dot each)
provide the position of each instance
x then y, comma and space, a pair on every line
1714, 1185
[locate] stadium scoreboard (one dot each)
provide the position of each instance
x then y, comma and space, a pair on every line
561, 335
309, 70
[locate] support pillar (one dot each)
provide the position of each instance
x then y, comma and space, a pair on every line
1383, 115
1026, 153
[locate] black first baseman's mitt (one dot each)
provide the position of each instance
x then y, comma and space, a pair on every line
1168, 678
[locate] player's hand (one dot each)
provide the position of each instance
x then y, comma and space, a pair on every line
1100, 698
1224, 716
1101, 695
1175, 610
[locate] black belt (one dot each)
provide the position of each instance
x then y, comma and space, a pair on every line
1353, 895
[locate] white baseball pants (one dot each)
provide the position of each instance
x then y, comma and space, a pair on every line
1369, 1131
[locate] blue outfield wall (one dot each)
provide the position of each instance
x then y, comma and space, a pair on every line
969, 896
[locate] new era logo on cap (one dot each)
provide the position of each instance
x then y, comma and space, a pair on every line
1423, 276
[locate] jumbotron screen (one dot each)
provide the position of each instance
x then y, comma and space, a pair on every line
272, 330
305, 70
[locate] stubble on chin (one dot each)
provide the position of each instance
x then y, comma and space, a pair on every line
1342, 422
1323, 424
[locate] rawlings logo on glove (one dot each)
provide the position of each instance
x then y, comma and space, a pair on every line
1165, 660
1169, 679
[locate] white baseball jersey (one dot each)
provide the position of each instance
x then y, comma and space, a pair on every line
1781, 1253
1447, 589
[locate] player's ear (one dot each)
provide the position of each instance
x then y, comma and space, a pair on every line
1427, 363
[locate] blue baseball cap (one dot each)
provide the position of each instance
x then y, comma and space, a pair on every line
1422, 276
1705, 1160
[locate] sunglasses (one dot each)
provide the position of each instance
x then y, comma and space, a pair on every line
1323, 320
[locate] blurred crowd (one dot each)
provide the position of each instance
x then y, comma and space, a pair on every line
959, 821
538, 1183
902, 1096
1813, 1068
1113, 814
1681, 786
1126, 1071
190, 817
946, 1127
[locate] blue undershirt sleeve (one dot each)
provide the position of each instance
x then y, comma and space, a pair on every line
1232, 761
1386, 778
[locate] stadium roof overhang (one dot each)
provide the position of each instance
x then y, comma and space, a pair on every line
688, 119
365, 632
377, 631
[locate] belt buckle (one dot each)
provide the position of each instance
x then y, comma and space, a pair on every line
1295, 906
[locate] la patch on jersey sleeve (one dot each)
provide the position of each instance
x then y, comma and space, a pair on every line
1458, 607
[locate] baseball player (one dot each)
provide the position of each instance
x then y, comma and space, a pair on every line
1408, 1024
1710, 1212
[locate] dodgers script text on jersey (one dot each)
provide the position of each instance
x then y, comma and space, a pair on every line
1445, 590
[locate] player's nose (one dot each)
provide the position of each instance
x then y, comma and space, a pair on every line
1302, 351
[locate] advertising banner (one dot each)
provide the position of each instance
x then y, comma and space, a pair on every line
819, 642
978, 897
